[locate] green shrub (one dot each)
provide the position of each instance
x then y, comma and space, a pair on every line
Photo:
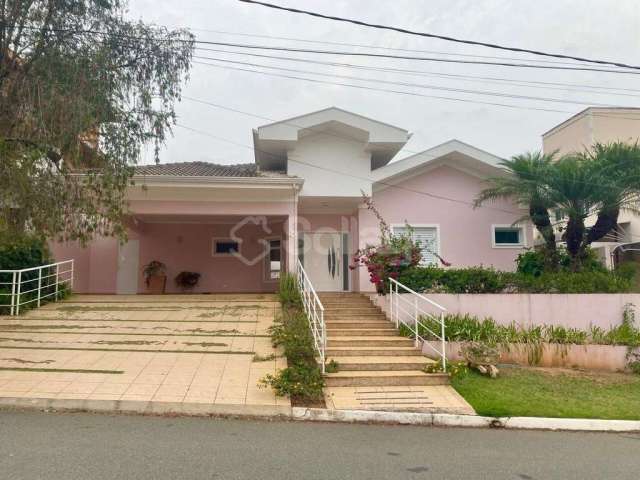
461, 280
19, 252
532, 262
288, 292
302, 379
302, 382
488, 280
467, 328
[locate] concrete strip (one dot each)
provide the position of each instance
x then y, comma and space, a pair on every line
469, 421
145, 407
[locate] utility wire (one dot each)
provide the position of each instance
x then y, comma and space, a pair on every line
416, 85
440, 37
372, 47
410, 57
421, 73
324, 52
385, 90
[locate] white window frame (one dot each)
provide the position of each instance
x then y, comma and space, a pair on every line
215, 240
394, 226
523, 236
267, 259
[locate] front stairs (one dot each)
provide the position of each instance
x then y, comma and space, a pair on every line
368, 348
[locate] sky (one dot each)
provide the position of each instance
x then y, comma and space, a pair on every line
604, 29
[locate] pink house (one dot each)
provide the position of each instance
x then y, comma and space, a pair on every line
239, 226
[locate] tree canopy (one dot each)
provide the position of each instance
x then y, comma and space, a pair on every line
82, 91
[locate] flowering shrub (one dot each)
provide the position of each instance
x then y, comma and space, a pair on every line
391, 257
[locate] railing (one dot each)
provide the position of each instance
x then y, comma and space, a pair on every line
33, 286
405, 308
315, 312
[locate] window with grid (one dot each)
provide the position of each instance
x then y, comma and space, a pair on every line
427, 237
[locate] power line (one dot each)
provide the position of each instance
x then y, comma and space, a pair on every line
385, 90
441, 37
373, 47
410, 57
322, 52
422, 73
416, 85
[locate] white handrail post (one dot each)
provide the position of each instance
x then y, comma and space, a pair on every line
57, 279
18, 293
323, 334
71, 280
415, 319
391, 299
444, 344
13, 293
39, 285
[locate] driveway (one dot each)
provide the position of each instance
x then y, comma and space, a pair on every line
202, 350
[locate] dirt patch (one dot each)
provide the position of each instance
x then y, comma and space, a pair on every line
32, 362
206, 344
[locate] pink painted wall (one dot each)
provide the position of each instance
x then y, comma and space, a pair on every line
465, 232
569, 310
95, 266
189, 247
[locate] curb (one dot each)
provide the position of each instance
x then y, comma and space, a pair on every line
468, 421
146, 407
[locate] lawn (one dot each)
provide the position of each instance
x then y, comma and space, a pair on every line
538, 392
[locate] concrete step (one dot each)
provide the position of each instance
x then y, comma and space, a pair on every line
370, 341
354, 316
374, 351
352, 310
362, 332
356, 324
385, 378
368, 363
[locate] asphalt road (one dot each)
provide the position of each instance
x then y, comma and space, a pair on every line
84, 446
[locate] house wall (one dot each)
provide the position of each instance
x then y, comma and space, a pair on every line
572, 137
189, 247
95, 265
574, 310
333, 166
465, 232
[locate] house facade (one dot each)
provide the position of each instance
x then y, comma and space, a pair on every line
240, 226
583, 130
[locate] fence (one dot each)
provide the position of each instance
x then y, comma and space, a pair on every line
31, 287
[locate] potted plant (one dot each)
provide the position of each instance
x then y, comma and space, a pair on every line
187, 280
155, 276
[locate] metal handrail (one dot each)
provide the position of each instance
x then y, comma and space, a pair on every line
314, 310
43, 291
396, 289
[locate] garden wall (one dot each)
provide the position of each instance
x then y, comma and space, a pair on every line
569, 310
591, 357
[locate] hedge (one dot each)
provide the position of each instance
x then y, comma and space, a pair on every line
488, 280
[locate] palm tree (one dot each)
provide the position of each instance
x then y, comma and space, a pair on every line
598, 182
523, 180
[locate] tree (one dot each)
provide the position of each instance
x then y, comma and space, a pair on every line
82, 90
523, 180
599, 182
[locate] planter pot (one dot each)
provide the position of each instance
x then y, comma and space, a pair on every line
156, 284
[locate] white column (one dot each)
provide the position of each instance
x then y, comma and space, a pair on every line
292, 234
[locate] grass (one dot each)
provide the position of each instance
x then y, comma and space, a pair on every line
536, 392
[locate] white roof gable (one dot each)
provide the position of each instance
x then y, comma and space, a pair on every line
453, 153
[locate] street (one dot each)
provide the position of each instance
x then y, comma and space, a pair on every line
90, 446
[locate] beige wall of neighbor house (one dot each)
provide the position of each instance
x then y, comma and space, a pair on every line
599, 125
593, 125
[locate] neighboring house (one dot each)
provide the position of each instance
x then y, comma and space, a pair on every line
241, 225
601, 125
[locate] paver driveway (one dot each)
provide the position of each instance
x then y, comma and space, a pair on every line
190, 349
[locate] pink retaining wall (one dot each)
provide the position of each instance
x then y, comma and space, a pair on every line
569, 310
465, 232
